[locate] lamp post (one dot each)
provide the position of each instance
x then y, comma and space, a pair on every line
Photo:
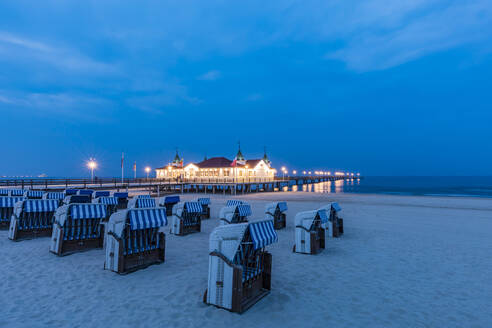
147, 169
283, 172
92, 165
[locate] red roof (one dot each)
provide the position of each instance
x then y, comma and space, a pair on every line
214, 162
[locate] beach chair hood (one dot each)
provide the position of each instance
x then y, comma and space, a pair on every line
137, 218
226, 239
106, 200
54, 195
80, 211
33, 193
136, 202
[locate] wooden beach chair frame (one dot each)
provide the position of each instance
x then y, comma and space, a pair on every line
187, 218
316, 233
77, 228
30, 221
251, 270
278, 214
129, 249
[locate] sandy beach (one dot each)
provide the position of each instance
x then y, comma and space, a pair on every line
403, 261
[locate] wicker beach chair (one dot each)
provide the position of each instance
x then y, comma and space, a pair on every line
240, 268
86, 192
186, 218
101, 193
110, 202
16, 192
7, 209
76, 199
54, 195
205, 203
77, 228
135, 240
309, 232
122, 199
32, 218
235, 213
168, 202
276, 211
34, 194
136, 202
334, 226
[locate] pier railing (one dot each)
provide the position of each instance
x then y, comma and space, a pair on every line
118, 183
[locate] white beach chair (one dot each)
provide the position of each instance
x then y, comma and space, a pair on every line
186, 218
239, 266
309, 232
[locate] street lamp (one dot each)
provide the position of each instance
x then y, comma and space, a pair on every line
92, 165
294, 172
147, 169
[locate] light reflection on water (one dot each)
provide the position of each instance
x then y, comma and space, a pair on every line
338, 186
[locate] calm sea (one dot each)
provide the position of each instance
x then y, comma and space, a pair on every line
426, 186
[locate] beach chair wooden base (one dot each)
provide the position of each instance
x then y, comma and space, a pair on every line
133, 262
67, 247
4, 225
19, 235
206, 213
186, 230
340, 226
317, 242
280, 222
248, 293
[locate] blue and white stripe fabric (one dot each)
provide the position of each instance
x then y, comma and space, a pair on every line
234, 202
262, 233
147, 218
171, 200
40, 205
17, 192
9, 201
204, 201
55, 195
282, 206
193, 207
323, 216
143, 196
34, 193
102, 193
108, 200
69, 192
4, 192
145, 202
244, 209
336, 207
87, 192
88, 211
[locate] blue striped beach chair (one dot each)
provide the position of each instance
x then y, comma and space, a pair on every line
76, 199
205, 202
186, 218
110, 202
142, 203
78, 228
16, 192
32, 218
334, 227
310, 231
238, 213
135, 240
34, 194
168, 202
101, 193
122, 199
7, 209
240, 268
276, 211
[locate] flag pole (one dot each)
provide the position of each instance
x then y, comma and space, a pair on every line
122, 166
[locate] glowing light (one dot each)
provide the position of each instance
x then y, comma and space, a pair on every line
92, 164
309, 172
304, 172
147, 169
294, 172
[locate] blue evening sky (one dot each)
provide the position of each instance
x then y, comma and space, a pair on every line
380, 87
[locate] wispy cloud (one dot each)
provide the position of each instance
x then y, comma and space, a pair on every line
18, 49
63, 105
435, 30
210, 76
